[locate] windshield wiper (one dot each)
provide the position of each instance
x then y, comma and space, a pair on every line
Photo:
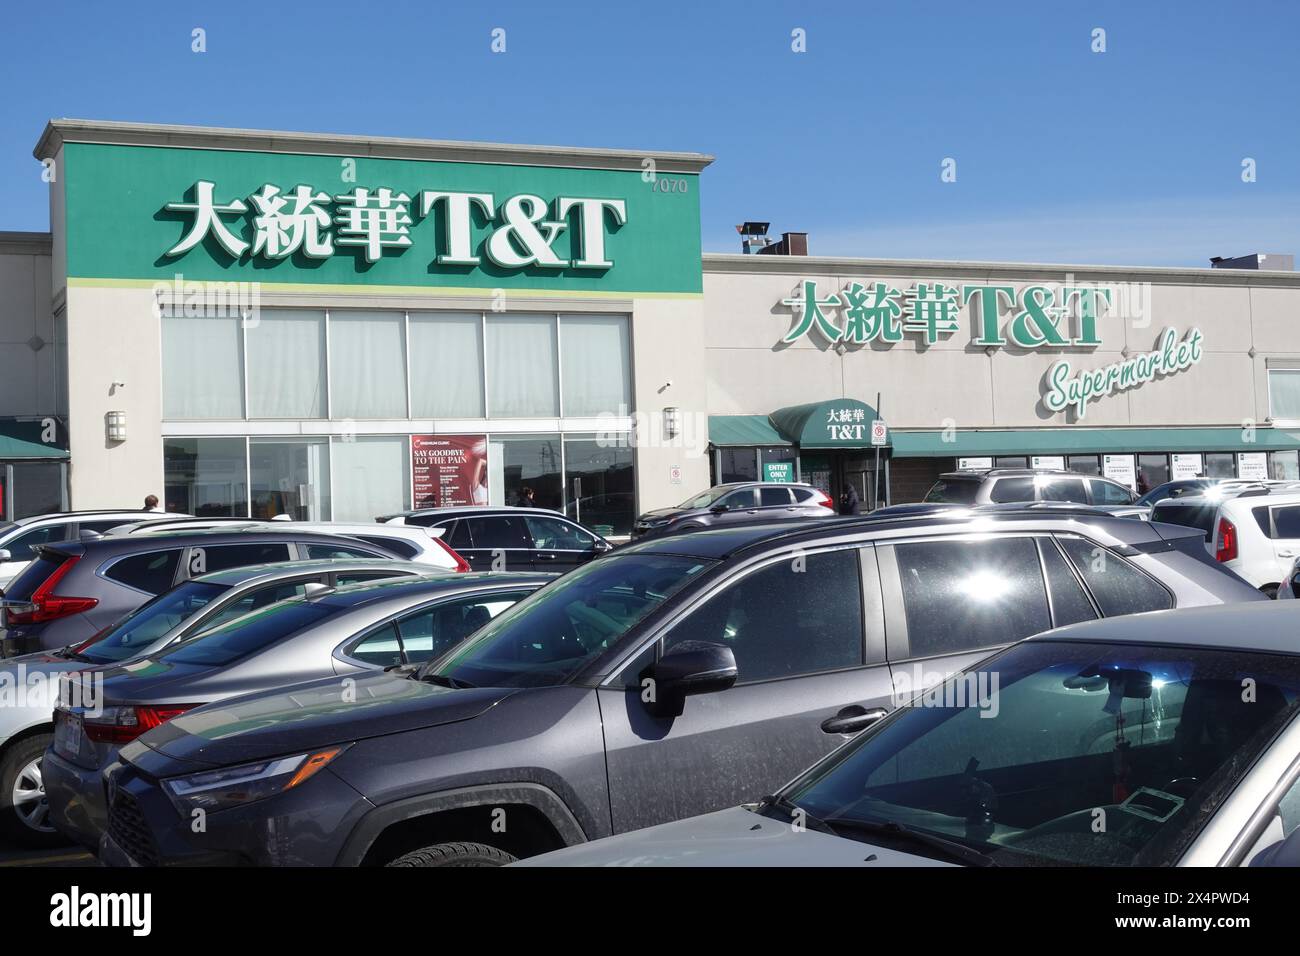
889, 828
67, 653
442, 680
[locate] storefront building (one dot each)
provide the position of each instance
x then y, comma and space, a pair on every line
261, 323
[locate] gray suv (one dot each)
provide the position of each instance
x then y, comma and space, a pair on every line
986, 486
736, 503
670, 678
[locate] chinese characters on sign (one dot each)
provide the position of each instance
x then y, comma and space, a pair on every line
449, 470
846, 424
316, 224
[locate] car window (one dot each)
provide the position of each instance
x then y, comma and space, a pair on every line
499, 532
380, 647
1109, 493
457, 535
1117, 586
957, 491
433, 631
1287, 521
1070, 602
151, 621
796, 616
552, 533
1063, 489
960, 595
20, 548
1198, 516
396, 546
802, 494
745, 498
255, 599
99, 527
769, 497
1012, 489
226, 643
315, 551
152, 572
356, 577
207, 558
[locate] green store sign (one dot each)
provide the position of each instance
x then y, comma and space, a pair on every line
149, 213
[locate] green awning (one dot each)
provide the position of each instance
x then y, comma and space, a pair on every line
838, 423
731, 430
24, 440
1084, 441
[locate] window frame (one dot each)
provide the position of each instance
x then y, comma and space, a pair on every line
179, 573
1101, 614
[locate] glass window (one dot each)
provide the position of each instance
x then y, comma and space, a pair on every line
202, 367
737, 464
518, 465
446, 365
499, 532
1285, 465
20, 548
1069, 602
205, 559
745, 498
1152, 470
552, 534
38, 487
1284, 394
779, 463
773, 497
151, 621
1062, 489
1117, 586
151, 572
1084, 464
249, 633
1287, 522
286, 364
963, 491
291, 478
317, 552
600, 484
206, 477
457, 535
1109, 493
522, 371
1220, 465
1156, 737
367, 365
255, 600
360, 577
783, 621
1201, 517
960, 595
432, 632
1020, 461
595, 356
380, 648
1012, 489
372, 477
394, 546
546, 639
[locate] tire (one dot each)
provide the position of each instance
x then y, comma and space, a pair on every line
455, 854
24, 812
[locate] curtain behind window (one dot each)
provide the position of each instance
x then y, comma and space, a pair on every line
367, 365
595, 356
371, 477
1284, 394
522, 373
201, 367
446, 365
286, 364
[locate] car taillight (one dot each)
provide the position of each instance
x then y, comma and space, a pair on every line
825, 500
121, 725
1225, 545
44, 605
461, 564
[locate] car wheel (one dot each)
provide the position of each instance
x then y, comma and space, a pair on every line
1269, 591
455, 854
24, 810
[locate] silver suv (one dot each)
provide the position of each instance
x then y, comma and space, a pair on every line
1002, 485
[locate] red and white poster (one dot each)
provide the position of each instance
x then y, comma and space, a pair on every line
449, 470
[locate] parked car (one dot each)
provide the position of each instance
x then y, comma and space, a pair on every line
1289, 589
1176, 489
342, 633
27, 726
1001, 485
1254, 531
1155, 757
672, 677
736, 503
19, 538
76, 588
507, 539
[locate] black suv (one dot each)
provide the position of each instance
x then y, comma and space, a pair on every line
736, 503
670, 678
74, 589
509, 539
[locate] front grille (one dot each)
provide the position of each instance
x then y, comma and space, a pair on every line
127, 827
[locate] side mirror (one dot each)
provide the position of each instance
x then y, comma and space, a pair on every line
718, 509
691, 667
5, 555
602, 546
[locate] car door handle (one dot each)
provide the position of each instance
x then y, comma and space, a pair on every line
546, 557
1286, 554
852, 719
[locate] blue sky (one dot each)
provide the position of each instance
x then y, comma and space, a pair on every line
1131, 156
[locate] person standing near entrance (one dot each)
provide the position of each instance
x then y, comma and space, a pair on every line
151, 503
849, 502
527, 497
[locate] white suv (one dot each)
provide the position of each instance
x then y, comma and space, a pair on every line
17, 538
1254, 531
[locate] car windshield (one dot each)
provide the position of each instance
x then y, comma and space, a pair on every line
547, 638
145, 625
1193, 515
959, 491
707, 498
1056, 752
248, 634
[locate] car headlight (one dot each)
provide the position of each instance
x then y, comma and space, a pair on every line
212, 790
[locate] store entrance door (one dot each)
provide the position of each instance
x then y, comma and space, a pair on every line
834, 471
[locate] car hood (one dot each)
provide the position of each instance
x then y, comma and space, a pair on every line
664, 514
735, 837
309, 716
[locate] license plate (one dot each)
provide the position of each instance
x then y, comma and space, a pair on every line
67, 735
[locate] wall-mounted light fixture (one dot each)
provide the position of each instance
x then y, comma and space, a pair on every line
115, 426
672, 421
